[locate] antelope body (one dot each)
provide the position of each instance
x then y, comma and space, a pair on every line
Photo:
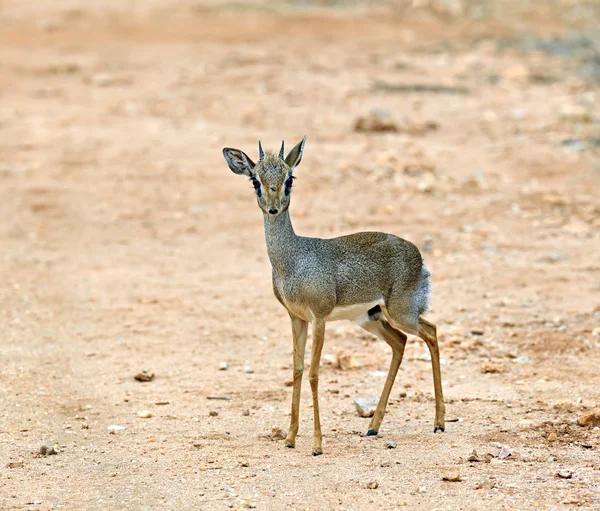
377, 280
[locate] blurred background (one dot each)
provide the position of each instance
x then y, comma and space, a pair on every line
471, 128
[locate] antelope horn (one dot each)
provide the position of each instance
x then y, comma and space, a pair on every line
281, 151
261, 153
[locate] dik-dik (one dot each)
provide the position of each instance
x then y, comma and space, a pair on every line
377, 280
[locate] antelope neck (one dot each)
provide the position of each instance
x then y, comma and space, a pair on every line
281, 240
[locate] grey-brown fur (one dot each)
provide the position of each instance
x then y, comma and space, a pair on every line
312, 277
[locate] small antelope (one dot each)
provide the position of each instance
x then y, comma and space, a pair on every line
377, 280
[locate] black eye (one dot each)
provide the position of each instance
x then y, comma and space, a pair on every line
256, 184
288, 184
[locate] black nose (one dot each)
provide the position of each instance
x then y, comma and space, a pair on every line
273, 211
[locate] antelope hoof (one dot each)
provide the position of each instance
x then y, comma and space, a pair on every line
372, 432
438, 428
290, 444
317, 453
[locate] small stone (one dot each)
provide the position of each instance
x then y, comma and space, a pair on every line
565, 474
505, 452
366, 406
246, 413
566, 406
223, 366
103, 79
277, 433
213, 413
248, 370
476, 331
372, 485
422, 489
487, 366
453, 477
289, 383
474, 457
552, 437
390, 444
112, 429
575, 113
590, 419
144, 414
376, 120
47, 450
485, 484
144, 376
345, 360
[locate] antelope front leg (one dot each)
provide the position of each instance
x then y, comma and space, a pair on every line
299, 333
313, 376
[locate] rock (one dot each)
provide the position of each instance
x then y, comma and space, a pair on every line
485, 484
422, 490
144, 376
289, 383
112, 429
246, 413
390, 444
103, 79
590, 419
213, 413
575, 113
565, 474
474, 457
366, 406
277, 433
223, 366
566, 406
47, 450
487, 366
372, 485
248, 370
144, 414
345, 360
505, 452
453, 477
552, 437
376, 120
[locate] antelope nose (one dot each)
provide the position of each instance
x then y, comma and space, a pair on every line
273, 211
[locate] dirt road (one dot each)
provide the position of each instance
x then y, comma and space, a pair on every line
126, 245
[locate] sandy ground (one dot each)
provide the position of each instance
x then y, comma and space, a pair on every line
126, 244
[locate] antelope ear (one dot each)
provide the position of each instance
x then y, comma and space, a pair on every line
238, 161
294, 157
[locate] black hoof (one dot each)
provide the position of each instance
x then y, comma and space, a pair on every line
438, 428
317, 453
372, 432
290, 446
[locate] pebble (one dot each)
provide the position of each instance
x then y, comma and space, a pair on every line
365, 406
474, 456
248, 370
144, 414
47, 450
590, 419
453, 477
246, 413
390, 444
487, 366
103, 79
345, 360
144, 376
552, 437
213, 413
223, 366
377, 120
372, 485
114, 428
565, 474
289, 383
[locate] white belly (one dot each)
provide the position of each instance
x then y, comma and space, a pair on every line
352, 312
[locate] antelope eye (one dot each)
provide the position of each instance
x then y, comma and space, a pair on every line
288, 185
256, 184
